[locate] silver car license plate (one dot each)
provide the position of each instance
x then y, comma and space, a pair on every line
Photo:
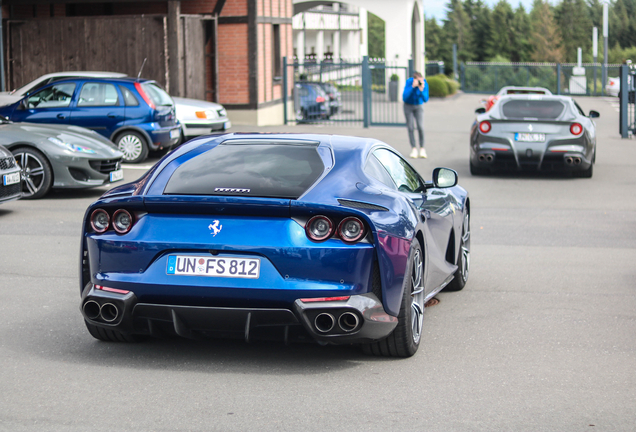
117, 175
529, 137
9, 179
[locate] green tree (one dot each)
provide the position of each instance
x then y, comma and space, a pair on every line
575, 24
501, 30
479, 15
433, 39
375, 26
521, 30
546, 38
457, 30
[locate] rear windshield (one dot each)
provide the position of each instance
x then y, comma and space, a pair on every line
539, 109
255, 170
158, 96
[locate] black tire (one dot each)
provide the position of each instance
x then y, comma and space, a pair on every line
478, 171
463, 260
585, 173
133, 145
37, 174
405, 340
108, 335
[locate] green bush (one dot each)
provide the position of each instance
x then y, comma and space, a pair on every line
437, 86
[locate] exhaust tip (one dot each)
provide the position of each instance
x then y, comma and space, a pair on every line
489, 158
569, 160
324, 322
348, 322
482, 158
91, 309
577, 161
109, 312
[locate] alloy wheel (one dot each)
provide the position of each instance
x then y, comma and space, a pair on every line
131, 146
465, 249
417, 296
32, 169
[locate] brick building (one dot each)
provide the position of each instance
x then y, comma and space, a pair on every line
228, 51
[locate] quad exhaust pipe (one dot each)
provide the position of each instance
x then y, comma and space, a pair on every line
107, 312
570, 160
347, 322
486, 158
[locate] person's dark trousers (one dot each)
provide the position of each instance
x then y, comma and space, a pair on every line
415, 116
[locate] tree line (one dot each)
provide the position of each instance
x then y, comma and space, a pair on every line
546, 33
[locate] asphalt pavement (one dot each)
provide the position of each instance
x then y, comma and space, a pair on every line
543, 337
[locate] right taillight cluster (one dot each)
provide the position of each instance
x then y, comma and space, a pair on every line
121, 221
320, 228
485, 126
576, 129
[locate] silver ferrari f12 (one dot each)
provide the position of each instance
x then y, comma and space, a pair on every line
533, 133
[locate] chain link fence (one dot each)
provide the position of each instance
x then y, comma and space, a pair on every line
559, 78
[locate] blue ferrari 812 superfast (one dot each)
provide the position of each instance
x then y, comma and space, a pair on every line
324, 238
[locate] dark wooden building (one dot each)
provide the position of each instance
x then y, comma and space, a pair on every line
228, 51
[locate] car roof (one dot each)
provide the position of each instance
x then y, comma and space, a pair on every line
122, 80
91, 74
506, 89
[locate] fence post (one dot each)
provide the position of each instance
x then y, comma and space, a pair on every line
455, 61
496, 80
558, 78
285, 90
366, 90
595, 77
463, 73
624, 101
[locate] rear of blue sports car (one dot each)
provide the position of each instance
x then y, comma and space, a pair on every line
215, 241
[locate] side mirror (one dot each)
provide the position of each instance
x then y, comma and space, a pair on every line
480, 110
594, 114
444, 177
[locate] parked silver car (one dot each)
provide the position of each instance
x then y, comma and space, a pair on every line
60, 156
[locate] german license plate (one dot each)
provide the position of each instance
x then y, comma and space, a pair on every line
530, 137
117, 175
246, 268
174, 133
9, 179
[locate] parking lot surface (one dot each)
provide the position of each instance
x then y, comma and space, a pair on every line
543, 337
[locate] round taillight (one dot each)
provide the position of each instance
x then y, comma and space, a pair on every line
576, 129
122, 221
319, 228
351, 229
100, 221
485, 126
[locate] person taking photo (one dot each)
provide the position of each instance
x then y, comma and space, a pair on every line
414, 96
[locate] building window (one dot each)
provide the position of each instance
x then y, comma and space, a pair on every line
278, 69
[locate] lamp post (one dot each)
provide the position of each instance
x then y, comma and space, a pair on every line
605, 44
595, 52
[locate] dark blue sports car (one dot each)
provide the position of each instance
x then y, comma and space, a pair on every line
317, 237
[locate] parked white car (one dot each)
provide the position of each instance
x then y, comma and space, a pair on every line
613, 86
197, 117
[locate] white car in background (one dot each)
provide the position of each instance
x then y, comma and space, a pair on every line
197, 117
613, 86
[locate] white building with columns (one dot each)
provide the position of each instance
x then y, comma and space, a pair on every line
339, 30
330, 32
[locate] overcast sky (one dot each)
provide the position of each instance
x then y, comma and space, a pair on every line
437, 8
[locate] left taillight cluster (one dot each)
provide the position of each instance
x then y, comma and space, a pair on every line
121, 221
320, 228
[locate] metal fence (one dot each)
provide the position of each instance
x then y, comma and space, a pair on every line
627, 98
369, 92
559, 78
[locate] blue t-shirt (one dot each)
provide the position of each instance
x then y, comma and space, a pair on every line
413, 95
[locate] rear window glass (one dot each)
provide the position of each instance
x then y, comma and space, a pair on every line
255, 170
157, 94
539, 109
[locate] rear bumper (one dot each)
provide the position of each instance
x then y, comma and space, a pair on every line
359, 319
549, 162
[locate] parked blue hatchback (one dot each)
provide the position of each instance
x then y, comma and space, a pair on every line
136, 114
